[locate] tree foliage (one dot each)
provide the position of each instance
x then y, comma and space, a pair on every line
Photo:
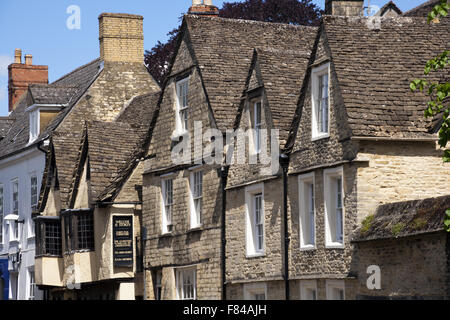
296, 12
438, 92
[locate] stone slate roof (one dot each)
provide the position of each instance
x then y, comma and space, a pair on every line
403, 219
113, 148
375, 67
422, 10
75, 84
51, 94
389, 6
5, 125
223, 49
283, 73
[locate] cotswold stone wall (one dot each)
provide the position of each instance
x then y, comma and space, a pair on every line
399, 171
411, 267
184, 247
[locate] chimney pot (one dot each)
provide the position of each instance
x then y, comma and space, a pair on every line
203, 8
17, 56
28, 59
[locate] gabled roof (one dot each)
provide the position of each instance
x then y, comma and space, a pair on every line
374, 69
223, 49
113, 150
422, 10
403, 219
389, 6
283, 72
68, 89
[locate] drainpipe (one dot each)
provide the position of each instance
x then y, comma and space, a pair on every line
224, 178
284, 162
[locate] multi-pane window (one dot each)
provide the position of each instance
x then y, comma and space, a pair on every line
52, 238
158, 285
183, 107
79, 231
85, 228
168, 205
1, 214
32, 284
259, 222
307, 211
339, 208
197, 198
322, 104
308, 290
34, 125
255, 291
335, 290
257, 113
34, 193
15, 197
186, 284
334, 207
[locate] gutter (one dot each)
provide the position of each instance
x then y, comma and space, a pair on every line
224, 178
424, 139
284, 162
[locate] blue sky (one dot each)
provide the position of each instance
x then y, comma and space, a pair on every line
39, 28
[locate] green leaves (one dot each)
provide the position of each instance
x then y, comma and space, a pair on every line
447, 220
440, 10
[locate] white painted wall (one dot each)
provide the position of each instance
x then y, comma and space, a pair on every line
21, 167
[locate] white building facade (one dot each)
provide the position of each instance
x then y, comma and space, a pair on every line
20, 181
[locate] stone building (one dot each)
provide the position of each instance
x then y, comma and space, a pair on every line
408, 243
358, 140
89, 224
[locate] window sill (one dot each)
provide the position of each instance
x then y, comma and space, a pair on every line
255, 255
335, 246
320, 137
308, 248
195, 229
14, 241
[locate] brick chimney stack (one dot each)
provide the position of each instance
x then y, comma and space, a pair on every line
344, 7
20, 76
121, 37
203, 8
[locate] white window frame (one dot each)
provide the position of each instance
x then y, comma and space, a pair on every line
332, 285
331, 176
31, 285
306, 285
158, 285
251, 236
13, 227
167, 226
195, 212
34, 124
30, 233
305, 223
252, 289
257, 126
181, 125
180, 274
2, 214
15, 182
315, 77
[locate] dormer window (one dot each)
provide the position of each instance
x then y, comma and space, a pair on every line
320, 102
182, 88
256, 117
34, 125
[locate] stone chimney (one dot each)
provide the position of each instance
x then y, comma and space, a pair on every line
203, 8
344, 7
121, 37
20, 76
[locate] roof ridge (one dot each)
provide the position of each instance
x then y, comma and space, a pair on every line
299, 26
